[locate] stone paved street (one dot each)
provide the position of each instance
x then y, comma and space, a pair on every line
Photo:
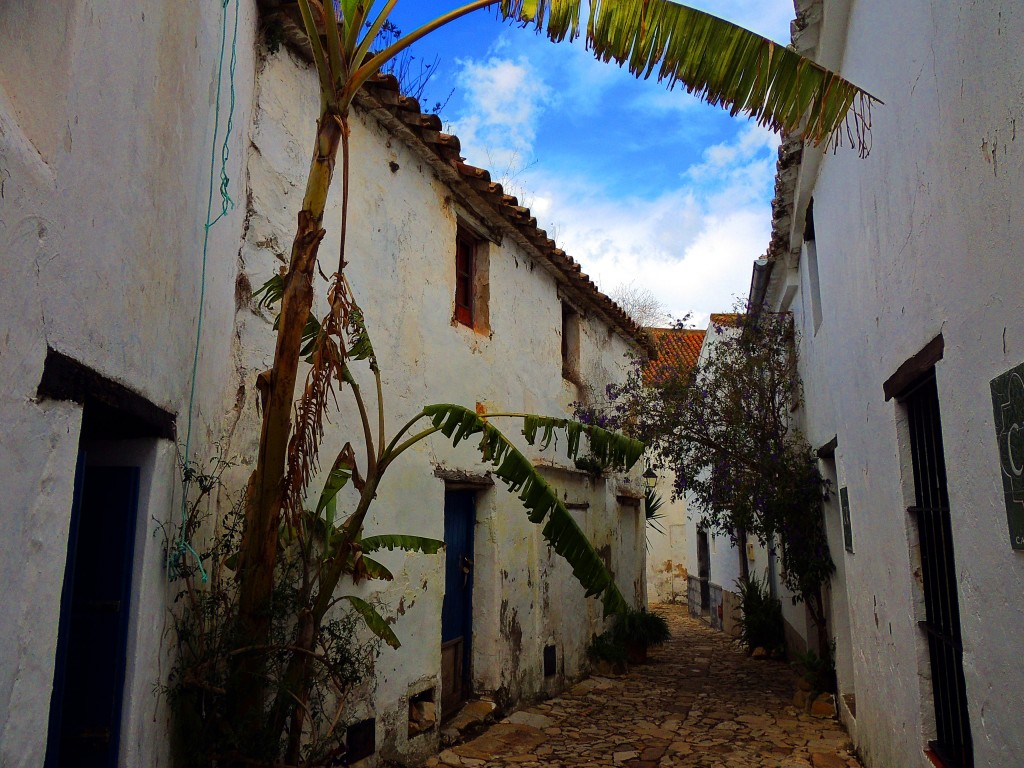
699, 703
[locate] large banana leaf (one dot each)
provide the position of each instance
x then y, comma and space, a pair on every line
374, 621
609, 448
541, 502
718, 61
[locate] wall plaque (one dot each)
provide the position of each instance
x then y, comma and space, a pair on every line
844, 508
1008, 408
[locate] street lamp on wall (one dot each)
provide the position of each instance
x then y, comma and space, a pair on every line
650, 479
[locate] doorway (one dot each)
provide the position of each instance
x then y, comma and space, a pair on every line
457, 608
704, 571
938, 572
118, 444
85, 708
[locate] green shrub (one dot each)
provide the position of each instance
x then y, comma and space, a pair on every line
606, 647
636, 628
761, 624
818, 671
642, 627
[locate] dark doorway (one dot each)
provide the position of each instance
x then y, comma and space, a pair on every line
85, 708
457, 610
704, 571
119, 428
938, 566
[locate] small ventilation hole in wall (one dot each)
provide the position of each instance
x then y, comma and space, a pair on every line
360, 740
422, 712
550, 659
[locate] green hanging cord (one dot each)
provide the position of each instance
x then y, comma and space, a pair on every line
185, 547
226, 203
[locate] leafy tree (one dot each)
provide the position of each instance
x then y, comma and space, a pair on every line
722, 63
725, 429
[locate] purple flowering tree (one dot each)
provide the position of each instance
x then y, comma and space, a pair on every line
725, 429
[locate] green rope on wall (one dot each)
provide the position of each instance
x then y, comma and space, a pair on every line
185, 547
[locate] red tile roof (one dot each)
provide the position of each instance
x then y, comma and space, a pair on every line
725, 318
678, 350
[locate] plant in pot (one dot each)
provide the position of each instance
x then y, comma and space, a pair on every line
761, 623
637, 629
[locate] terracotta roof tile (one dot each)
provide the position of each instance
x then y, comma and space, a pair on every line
725, 318
678, 350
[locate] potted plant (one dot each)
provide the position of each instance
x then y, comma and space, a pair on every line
637, 629
761, 623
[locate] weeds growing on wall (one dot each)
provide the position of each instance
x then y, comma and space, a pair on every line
205, 627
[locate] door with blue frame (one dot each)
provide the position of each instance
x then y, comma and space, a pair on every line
85, 707
457, 609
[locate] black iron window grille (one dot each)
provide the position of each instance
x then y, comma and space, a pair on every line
942, 625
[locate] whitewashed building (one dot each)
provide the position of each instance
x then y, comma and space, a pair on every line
668, 537
902, 272
111, 124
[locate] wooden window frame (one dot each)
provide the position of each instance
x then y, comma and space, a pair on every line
466, 248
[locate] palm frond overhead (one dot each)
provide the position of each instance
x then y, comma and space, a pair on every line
718, 61
540, 499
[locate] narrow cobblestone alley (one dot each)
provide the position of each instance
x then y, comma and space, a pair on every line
700, 702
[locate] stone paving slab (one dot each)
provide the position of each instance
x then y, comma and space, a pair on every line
699, 703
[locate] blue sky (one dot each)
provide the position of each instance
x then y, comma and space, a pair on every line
642, 185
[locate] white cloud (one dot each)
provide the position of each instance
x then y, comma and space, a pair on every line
662, 100
504, 98
692, 246
770, 19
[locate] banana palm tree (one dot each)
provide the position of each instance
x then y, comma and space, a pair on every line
718, 61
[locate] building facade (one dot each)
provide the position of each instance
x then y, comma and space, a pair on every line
900, 270
110, 128
667, 541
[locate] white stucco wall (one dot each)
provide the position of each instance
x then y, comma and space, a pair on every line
921, 238
106, 126
106, 122
401, 249
667, 568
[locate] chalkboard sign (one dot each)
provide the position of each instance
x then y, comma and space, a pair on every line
1008, 409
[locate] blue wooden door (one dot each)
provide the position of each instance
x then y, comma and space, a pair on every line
85, 708
457, 609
